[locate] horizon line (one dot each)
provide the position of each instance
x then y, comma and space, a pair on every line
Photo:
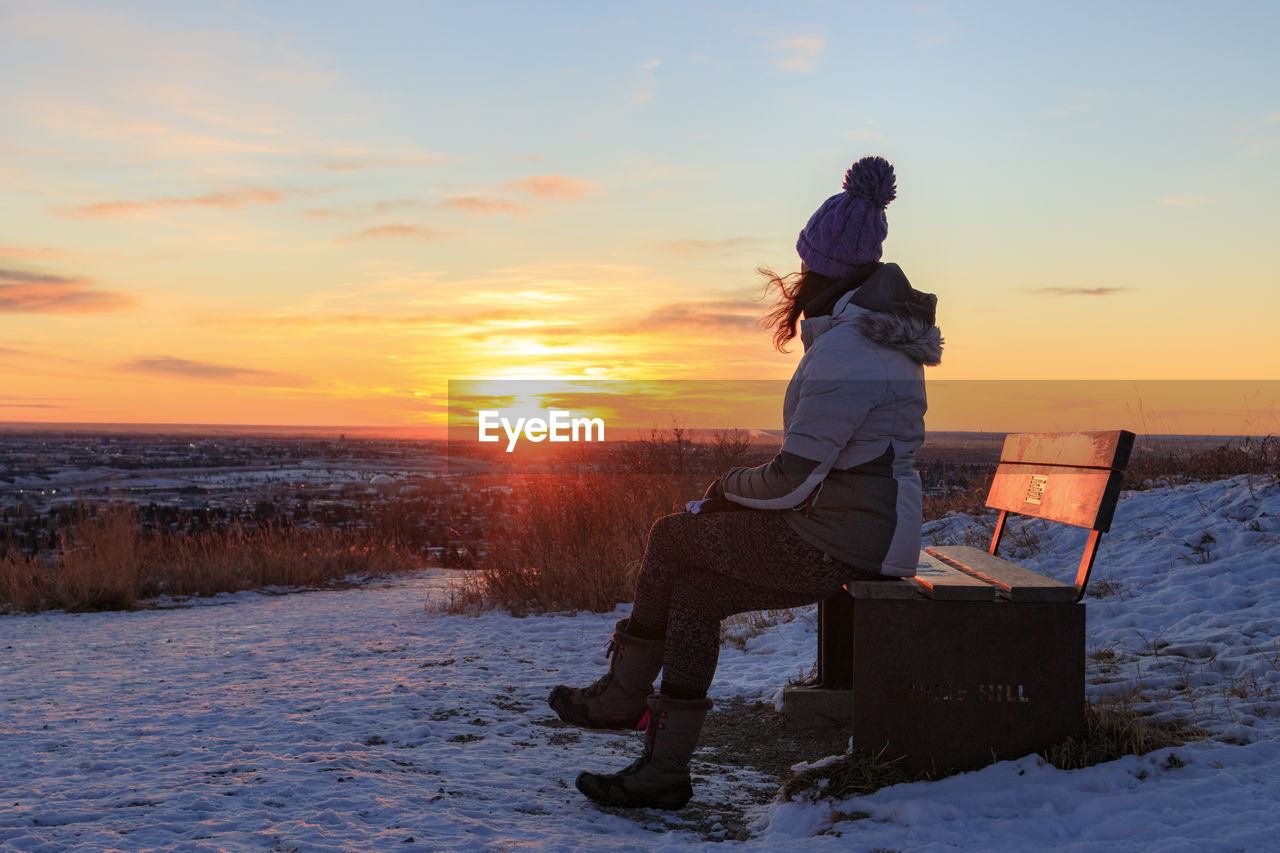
441, 433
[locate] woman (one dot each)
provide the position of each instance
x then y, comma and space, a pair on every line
840, 501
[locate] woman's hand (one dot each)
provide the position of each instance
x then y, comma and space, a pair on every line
713, 500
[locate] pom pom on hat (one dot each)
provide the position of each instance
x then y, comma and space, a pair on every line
848, 229
872, 180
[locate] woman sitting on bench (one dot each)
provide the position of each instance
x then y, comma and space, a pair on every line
841, 500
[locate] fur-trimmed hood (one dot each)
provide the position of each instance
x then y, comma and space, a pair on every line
888, 311
920, 340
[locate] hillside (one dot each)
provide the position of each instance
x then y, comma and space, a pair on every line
368, 718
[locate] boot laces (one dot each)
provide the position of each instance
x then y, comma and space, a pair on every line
613, 653
643, 724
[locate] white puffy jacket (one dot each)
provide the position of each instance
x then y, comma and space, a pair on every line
853, 418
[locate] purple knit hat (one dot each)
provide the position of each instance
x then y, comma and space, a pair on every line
849, 227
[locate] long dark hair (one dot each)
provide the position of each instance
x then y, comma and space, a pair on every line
797, 290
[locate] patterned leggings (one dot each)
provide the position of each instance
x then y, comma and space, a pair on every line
698, 569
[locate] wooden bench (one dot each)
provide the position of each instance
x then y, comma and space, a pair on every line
976, 658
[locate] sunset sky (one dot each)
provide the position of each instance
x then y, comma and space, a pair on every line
321, 212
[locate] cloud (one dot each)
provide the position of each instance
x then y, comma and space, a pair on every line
169, 366
41, 293
802, 53
335, 323
553, 186
26, 403
730, 314
515, 324
484, 206
548, 335
232, 199
1079, 291
646, 82
397, 232
36, 252
703, 248
377, 208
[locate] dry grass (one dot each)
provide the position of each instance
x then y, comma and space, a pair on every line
738, 629
851, 775
1152, 466
575, 542
970, 501
106, 565
1113, 729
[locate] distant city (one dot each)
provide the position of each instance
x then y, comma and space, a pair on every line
184, 482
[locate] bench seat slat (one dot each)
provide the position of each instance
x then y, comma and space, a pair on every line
941, 582
882, 589
1013, 581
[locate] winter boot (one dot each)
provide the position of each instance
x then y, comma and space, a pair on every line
617, 700
660, 777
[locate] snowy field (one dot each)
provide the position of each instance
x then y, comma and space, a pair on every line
366, 719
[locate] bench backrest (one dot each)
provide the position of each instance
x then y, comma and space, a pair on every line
1071, 477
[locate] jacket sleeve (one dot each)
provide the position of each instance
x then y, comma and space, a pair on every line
825, 418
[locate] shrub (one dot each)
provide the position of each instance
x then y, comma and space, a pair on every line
1156, 465
574, 542
105, 564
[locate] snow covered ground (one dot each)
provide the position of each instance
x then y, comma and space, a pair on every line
367, 719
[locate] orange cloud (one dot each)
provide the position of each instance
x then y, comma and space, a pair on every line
330, 323
380, 208
701, 248
40, 293
498, 326
232, 199
169, 366
1080, 291
38, 252
718, 313
553, 186
484, 206
27, 403
413, 232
